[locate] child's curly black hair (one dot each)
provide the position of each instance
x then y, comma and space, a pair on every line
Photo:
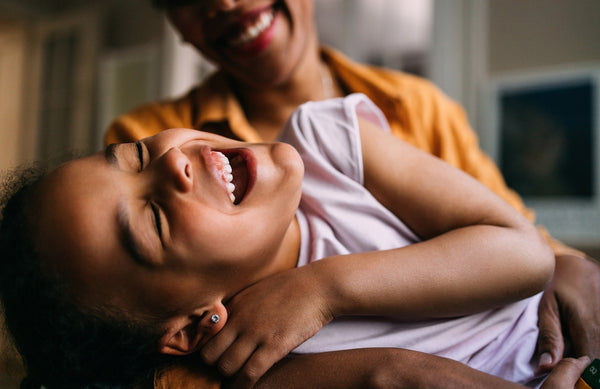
62, 344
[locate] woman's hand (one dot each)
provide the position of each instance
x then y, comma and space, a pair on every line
266, 321
570, 305
566, 373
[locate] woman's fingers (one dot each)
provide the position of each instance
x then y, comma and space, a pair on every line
550, 340
566, 373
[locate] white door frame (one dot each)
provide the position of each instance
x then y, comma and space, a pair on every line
459, 61
86, 24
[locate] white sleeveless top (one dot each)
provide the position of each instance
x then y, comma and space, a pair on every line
337, 215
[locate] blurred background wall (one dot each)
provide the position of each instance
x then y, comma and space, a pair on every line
67, 67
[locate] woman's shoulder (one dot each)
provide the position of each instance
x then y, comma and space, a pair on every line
362, 77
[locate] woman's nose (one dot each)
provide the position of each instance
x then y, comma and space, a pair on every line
177, 169
221, 5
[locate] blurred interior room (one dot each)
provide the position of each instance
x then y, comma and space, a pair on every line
526, 71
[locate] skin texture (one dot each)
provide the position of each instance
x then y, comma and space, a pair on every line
399, 369
564, 309
369, 368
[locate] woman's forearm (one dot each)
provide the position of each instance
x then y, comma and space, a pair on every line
376, 368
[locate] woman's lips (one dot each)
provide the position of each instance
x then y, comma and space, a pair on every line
252, 33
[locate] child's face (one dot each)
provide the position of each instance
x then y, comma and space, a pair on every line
151, 226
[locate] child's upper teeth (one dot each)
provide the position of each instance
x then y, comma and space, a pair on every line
225, 170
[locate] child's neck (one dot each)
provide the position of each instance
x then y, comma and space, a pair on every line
287, 255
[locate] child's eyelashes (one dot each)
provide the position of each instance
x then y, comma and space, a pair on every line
140, 150
157, 221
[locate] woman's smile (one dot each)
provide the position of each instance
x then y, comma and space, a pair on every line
258, 42
251, 33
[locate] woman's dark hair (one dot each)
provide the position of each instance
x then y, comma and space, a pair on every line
168, 4
62, 344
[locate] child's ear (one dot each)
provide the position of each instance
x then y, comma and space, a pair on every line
185, 334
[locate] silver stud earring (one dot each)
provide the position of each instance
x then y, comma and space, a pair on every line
215, 319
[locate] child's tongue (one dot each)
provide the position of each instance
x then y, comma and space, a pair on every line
240, 177
233, 170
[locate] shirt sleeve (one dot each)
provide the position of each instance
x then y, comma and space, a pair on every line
150, 119
325, 133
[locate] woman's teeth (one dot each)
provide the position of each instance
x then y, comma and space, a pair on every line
225, 170
252, 31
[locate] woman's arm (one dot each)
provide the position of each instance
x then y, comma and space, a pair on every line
377, 368
570, 305
477, 253
364, 369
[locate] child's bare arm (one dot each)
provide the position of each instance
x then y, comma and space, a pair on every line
478, 252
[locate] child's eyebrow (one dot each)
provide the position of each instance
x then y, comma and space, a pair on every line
110, 153
131, 244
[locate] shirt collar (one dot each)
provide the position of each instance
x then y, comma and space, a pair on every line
220, 107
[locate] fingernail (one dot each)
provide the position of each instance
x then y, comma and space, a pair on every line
545, 359
585, 359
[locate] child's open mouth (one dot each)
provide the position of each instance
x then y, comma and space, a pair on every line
234, 173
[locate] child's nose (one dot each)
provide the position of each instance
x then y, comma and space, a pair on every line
178, 169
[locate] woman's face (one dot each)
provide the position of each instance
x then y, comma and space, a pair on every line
151, 226
259, 42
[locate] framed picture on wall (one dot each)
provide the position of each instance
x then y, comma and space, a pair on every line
544, 135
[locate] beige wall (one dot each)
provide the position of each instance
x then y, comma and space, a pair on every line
527, 34
123, 24
12, 57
